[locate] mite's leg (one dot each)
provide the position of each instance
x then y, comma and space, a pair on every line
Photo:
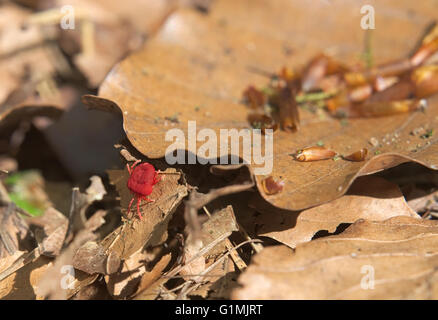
130, 204
138, 208
132, 167
156, 177
148, 200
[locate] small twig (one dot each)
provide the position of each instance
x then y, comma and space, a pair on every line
234, 254
426, 215
87, 38
314, 96
256, 246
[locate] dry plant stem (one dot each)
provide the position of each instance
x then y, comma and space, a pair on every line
87, 37
234, 254
76, 217
74, 209
255, 245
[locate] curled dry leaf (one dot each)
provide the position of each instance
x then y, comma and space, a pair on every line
207, 60
126, 281
92, 258
151, 276
370, 198
50, 285
396, 258
50, 235
96, 190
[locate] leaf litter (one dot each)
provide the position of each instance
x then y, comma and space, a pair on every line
305, 231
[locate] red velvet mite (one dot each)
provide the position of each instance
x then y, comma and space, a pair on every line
142, 179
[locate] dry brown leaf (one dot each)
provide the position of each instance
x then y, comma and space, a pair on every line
92, 258
392, 259
156, 290
152, 230
23, 284
135, 276
195, 263
13, 231
133, 235
371, 198
125, 282
424, 201
149, 277
198, 60
52, 230
25, 105
61, 281
219, 226
107, 32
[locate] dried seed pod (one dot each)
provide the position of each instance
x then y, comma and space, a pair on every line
262, 121
255, 98
288, 110
382, 83
395, 68
428, 47
360, 93
401, 90
314, 153
270, 186
287, 74
385, 108
317, 69
358, 155
314, 72
425, 80
340, 101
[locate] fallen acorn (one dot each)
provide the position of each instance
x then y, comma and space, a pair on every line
314, 153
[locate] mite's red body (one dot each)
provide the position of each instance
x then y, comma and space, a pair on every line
142, 178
